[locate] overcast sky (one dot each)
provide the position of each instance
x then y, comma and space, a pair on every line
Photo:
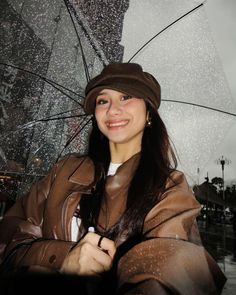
222, 20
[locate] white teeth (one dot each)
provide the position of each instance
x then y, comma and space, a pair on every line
116, 124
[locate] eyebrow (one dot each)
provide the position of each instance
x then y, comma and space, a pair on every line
102, 93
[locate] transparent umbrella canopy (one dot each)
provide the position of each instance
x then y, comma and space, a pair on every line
43, 76
197, 105
50, 50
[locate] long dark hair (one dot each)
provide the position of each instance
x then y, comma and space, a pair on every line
156, 163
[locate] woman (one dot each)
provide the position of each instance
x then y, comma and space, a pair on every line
121, 212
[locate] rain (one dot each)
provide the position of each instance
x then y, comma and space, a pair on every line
50, 50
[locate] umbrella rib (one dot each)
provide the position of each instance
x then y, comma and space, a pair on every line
201, 106
150, 40
60, 118
77, 131
4, 172
68, 6
48, 81
61, 113
87, 33
30, 124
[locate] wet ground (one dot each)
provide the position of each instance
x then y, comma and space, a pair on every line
220, 241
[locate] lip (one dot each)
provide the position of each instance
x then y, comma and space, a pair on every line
116, 124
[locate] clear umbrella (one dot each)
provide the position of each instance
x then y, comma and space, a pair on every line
185, 61
43, 75
51, 49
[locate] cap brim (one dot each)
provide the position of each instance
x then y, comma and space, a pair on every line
90, 100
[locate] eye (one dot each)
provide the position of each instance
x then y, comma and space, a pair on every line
126, 97
101, 101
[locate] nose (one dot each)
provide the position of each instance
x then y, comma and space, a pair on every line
114, 108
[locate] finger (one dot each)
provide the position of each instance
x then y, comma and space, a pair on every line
91, 238
94, 259
95, 269
103, 259
107, 245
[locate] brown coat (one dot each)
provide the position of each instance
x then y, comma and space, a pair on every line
36, 231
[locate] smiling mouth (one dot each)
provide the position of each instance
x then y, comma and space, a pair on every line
117, 124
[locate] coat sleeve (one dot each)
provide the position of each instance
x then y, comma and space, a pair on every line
171, 259
21, 241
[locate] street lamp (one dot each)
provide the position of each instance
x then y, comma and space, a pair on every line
223, 161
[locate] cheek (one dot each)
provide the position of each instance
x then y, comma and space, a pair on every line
98, 116
142, 117
140, 112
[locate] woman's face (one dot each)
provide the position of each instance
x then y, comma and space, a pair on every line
120, 117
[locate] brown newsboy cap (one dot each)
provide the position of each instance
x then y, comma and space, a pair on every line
125, 77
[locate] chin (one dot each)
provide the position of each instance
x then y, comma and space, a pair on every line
118, 141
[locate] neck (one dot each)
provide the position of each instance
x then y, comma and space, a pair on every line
122, 152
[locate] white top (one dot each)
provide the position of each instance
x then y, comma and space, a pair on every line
75, 222
113, 168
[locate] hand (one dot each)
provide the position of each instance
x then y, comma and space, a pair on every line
89, 259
